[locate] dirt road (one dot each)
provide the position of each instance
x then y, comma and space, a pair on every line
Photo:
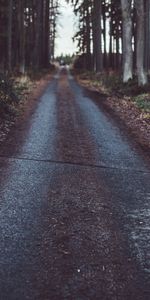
74, 204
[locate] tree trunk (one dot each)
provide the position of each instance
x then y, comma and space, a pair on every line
147, 35
127, 40
21, 37
9, 40
110, 44
117, 51
104, 35
142, 77
38, 37
97, 36
46, 34
88, 37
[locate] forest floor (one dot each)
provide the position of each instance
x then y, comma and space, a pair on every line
127, 102
18, 97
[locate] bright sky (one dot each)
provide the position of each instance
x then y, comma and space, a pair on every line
66, 30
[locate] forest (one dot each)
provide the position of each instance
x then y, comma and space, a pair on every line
112, 34
115, 34
28, 29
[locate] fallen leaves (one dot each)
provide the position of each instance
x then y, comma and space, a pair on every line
134, 111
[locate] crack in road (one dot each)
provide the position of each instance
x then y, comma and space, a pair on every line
74, 164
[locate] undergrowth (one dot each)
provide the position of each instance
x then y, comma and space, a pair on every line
15, 88
111, 83
8, 95
143, 103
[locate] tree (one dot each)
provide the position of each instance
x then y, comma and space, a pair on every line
21, 32
9, 41
28, 31
46, 33
142, 78
97, 36
38, 37
127, 40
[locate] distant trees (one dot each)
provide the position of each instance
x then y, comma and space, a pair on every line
64, 59
27, 33
115, 34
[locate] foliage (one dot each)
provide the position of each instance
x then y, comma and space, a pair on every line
7, 91
12, 89
143, 102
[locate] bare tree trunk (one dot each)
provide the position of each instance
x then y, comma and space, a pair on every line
117, 51
21, 37
9, 40
97, 35
142, 77
38, 37
88, 37
127, 40
110, 45
147, 35
104, 36
46, 33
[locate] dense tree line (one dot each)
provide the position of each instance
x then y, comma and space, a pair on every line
114, 34
27, 35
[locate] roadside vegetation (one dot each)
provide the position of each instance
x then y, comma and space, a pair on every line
129, 102
16, 92
111, 84
14, 89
